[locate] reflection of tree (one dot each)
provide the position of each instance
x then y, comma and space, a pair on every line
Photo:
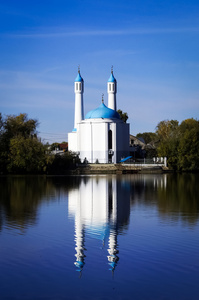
21, 196
143, 188
175, 195
180, 199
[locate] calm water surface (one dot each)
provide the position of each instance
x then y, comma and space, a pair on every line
100, 237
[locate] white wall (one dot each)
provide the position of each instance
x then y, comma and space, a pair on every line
120, 135
91, 140
72, 141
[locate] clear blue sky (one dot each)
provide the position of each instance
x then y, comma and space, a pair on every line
152, 45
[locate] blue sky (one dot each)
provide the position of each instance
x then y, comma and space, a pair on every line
152, 45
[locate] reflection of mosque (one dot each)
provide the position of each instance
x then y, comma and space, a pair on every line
101, 208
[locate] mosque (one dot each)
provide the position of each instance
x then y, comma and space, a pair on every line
100, 137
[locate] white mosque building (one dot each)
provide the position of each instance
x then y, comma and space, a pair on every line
101, 136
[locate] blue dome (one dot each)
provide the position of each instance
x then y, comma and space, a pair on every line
79, 78
112, 78
102, 112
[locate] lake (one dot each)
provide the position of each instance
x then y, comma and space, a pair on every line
100, 237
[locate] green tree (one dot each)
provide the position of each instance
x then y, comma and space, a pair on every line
166, 129
188, 148
54, 146
168, 135
123, 115
179, 143
149, 137
26, 155
60, 164
20, 150
1, 123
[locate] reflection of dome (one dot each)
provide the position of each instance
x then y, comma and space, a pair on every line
79, 265
102, 112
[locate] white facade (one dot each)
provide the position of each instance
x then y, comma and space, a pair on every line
102, 136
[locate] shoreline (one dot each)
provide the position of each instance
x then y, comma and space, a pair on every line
118, 169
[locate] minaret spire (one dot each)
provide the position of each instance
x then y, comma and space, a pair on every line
102, 98
79, 104
112, 90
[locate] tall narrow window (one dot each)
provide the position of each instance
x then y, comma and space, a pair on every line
110, 139
109, 87
76, 86
80, 86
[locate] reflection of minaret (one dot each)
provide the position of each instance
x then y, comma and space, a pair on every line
80, 242
112, 250
112, 243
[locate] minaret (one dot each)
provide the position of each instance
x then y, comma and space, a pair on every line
112, 90
80, 241
79, 104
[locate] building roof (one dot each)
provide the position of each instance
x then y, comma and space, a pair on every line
102, 112
79, 78
112, 78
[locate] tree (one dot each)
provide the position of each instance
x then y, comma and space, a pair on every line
166, 129
123, 115
60, 164
54, 146
2, 147
1, 123
26, 155
20, 150
188, 148
149, 137
20, 125
168, 135
179, 143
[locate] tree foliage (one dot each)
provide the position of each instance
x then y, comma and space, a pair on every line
149, 137
26, 155
20, 150
20, 125
123, 115
59, 164
179, 143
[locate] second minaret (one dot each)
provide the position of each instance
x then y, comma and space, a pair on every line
112, 90
79, 104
